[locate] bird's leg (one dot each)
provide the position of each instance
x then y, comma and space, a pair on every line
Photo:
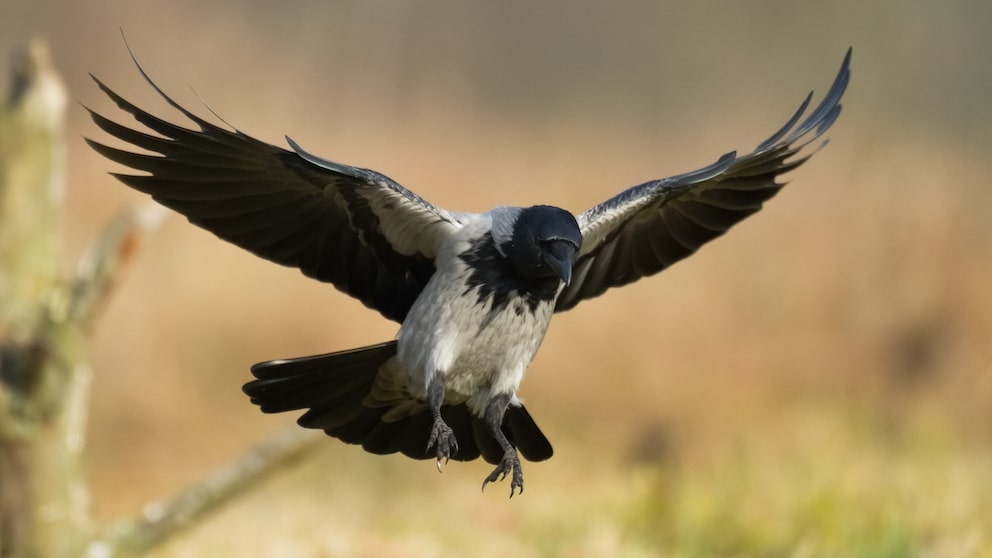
510, 464
441, 434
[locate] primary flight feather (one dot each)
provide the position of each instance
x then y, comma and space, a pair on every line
474, 293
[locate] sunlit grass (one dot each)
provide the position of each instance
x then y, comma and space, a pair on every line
804, 481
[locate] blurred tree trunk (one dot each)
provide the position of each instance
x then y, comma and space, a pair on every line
43, 508
44, 504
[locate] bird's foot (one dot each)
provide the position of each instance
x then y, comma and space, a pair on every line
510, 464
443, 438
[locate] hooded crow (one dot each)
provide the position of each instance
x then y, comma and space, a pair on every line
473, 293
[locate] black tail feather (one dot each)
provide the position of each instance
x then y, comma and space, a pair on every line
489, 448
411, 441
524, 433
355, 431
459, 418
332, 389
387, 437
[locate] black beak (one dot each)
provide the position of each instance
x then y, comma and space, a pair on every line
562, 264
559, 255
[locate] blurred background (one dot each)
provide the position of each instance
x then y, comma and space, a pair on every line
816, 383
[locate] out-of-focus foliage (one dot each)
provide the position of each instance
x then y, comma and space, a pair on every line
817, 383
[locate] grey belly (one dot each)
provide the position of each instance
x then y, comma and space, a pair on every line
479, 353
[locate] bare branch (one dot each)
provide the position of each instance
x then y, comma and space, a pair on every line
44, 506
162, 520
101, 266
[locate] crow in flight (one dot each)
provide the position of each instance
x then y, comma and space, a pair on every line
473, 293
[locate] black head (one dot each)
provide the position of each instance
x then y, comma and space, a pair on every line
543, 243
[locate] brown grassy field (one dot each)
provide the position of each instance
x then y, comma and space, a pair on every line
817, 383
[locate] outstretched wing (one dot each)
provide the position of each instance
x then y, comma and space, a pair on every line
354, 228
649, 227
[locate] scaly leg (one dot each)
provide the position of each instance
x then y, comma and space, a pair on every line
441, 434
510, 464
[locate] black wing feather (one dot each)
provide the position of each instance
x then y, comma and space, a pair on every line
335, 223
647, 228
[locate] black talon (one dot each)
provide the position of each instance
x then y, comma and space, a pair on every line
441, 434
510, 464
444, 439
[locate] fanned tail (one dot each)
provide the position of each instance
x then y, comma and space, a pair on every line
333, 389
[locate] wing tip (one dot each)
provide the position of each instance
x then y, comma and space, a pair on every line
821, 118
203, 124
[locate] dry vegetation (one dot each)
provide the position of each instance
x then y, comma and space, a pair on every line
819, 393
817, 383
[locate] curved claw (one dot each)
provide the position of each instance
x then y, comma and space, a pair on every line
510, 464
443, 438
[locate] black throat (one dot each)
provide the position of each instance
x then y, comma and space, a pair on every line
496, 279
